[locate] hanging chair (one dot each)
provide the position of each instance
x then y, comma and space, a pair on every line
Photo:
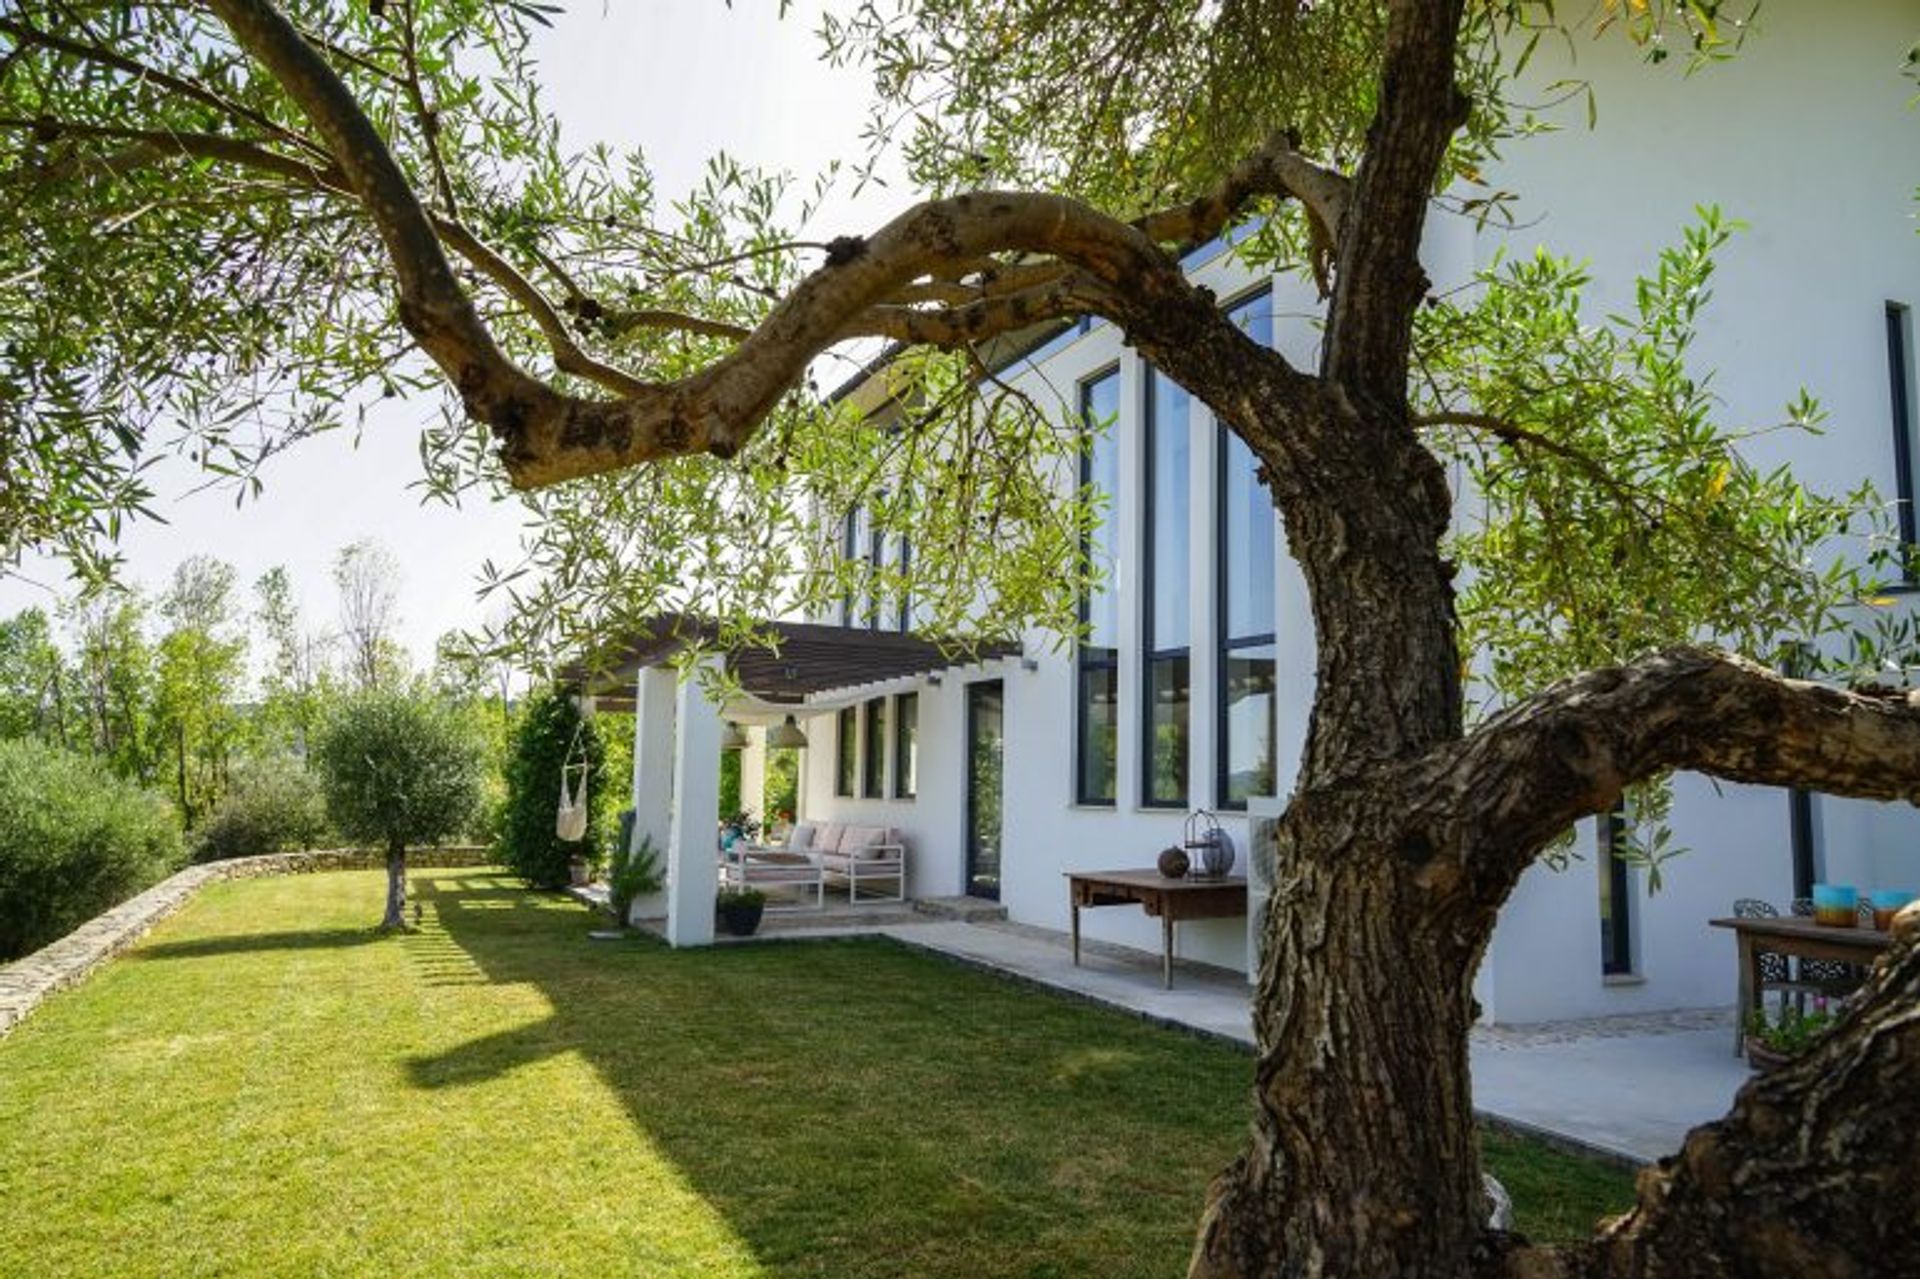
570, 823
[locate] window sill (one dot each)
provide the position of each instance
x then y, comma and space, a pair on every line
1622, 979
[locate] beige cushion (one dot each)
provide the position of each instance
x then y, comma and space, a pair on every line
801, 837
827, 838
860, 842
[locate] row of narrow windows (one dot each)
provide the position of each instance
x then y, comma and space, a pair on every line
1243, 568
862, 737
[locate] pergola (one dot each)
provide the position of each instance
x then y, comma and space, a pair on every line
798, 669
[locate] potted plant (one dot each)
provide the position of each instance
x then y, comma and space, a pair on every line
1773, 1042
737, 910
738, 826
633, 875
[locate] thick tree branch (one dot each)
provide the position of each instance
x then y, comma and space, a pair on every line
1569, 751
433, 307
1379, 281
1275, 169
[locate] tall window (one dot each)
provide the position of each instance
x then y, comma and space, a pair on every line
1244, 707
1164, 642
1900, 387
873, 779
849, 552
1096, 729
906, 596
876, 556
906, 745
1616, 894
846, 734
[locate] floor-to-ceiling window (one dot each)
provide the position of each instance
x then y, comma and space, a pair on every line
1165, 639
873, 777
906, 745
1097, 665
1905, 445
847, 745
1244, 703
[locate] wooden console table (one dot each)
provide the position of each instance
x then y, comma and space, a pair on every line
1171, 899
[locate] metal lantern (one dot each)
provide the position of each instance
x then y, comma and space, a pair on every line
786, 736
1210, 848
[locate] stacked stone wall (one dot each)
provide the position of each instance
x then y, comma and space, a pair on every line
26, 982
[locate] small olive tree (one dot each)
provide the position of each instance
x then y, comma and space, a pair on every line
401, 768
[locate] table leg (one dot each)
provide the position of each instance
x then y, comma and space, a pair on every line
1749, 991
1166, 952
1076, 934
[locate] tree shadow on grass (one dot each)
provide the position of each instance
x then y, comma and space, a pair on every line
245, 943
858, 1109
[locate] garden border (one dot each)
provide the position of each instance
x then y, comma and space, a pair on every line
26, 982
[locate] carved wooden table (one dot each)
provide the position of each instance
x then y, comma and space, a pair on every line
1171, 899
1793, 935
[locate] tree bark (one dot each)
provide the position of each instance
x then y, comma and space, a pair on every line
396, 916
1362, 1158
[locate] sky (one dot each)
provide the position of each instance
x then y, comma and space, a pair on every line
679, 78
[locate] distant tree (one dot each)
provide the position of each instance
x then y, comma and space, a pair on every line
298, 677
114, 681
32, 679
368, 578
201, 672
402, 768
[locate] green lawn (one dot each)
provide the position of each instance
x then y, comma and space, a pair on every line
266, 1088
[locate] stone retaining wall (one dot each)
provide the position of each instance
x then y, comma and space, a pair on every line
26, 982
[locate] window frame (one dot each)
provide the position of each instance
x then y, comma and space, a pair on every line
846, 743
906, 746
1900, 395
1152, 659
873, 758
1083, 611
1226, 641
1616, 942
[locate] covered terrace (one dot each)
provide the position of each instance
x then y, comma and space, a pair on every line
792, 676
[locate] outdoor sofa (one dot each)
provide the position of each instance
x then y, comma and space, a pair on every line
870, 862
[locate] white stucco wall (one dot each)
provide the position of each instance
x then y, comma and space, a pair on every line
1807, 136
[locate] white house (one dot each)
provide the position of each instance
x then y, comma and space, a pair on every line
1004, 773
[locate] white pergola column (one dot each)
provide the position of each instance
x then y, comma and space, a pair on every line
653, 715
753, 774
693, 873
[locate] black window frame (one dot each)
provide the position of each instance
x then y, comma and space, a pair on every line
1101, 661
906, 746
1228, 643
1152, 659
1900, 395
873, 759
1617, 927
849, 538
906, 596
846, 744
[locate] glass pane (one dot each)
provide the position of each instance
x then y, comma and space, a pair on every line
1246, 725
1246, 548
1100, 406
906, 746
1254, 315
1169, 459
1098, 727
1166, 720
844, 743
875, 780
983, 789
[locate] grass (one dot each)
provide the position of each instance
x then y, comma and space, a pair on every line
266, 1088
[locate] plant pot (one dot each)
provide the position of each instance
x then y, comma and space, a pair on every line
1763, 1058
738, 919
579, 872
648, 906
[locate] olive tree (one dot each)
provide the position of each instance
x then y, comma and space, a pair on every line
313, 204
401, 769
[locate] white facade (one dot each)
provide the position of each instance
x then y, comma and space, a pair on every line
1807, 136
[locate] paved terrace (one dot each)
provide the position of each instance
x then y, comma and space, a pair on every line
1624, 1088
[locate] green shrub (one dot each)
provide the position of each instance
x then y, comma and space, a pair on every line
272, 804
74, 841
525, 839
